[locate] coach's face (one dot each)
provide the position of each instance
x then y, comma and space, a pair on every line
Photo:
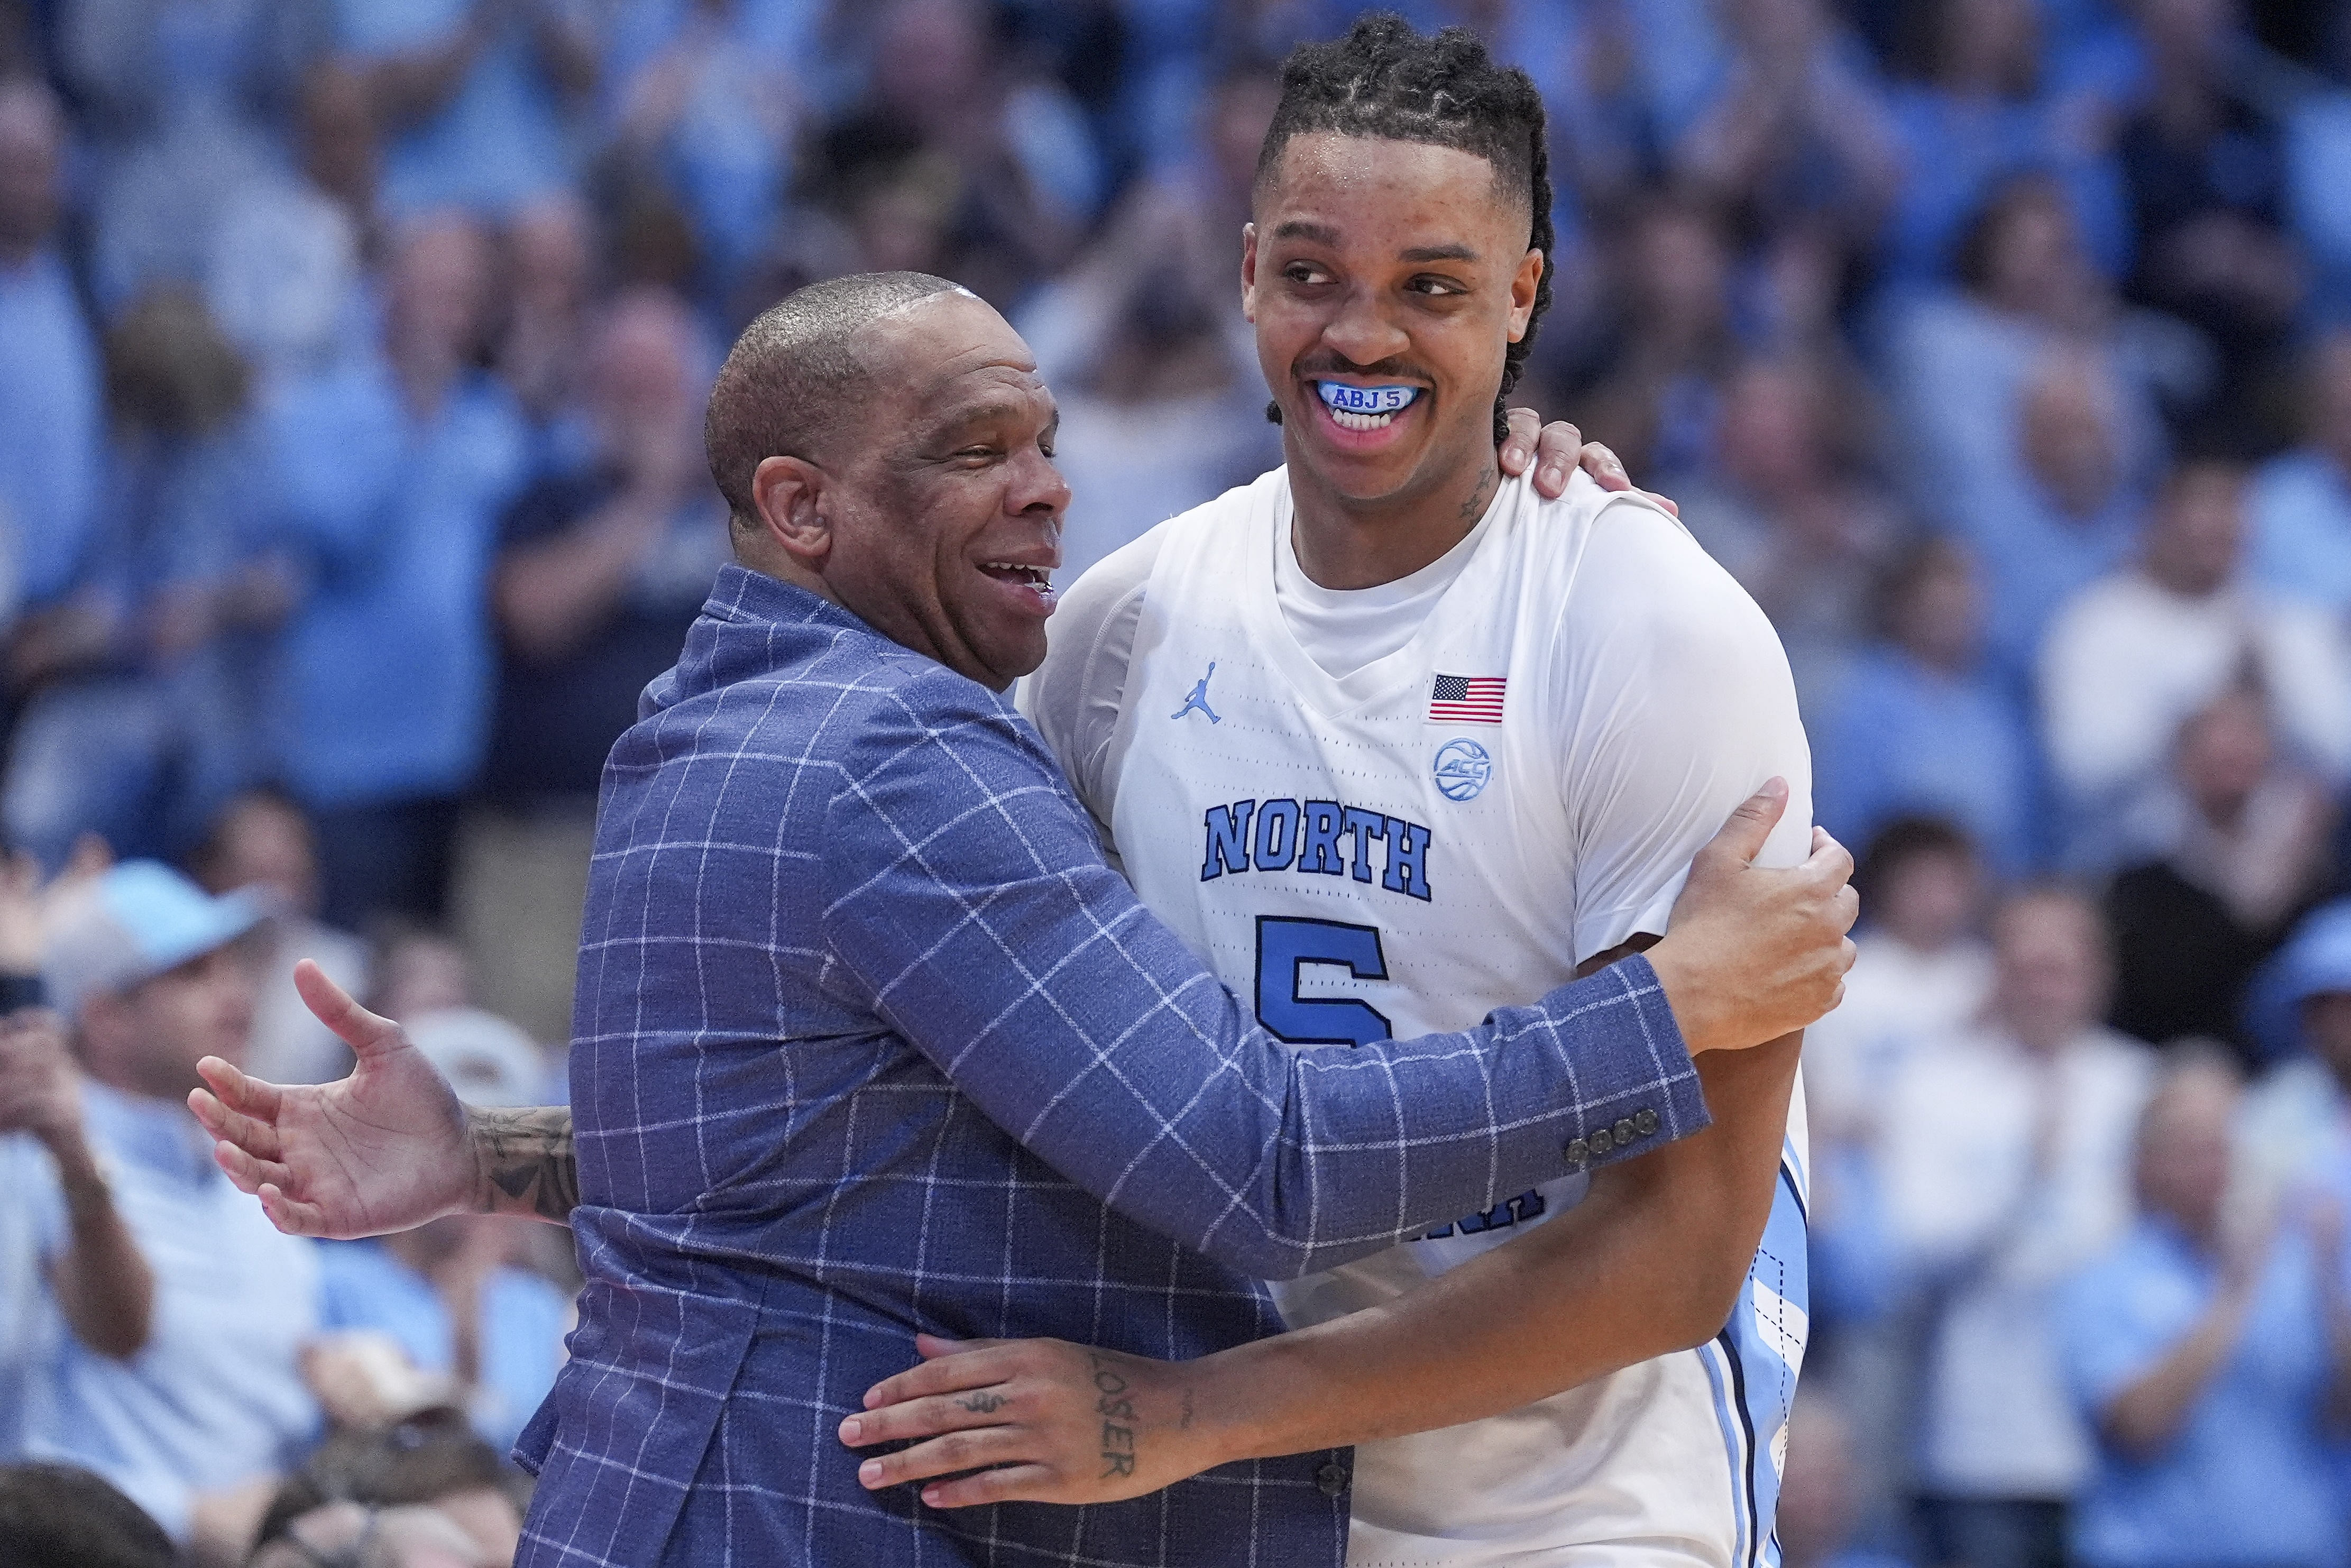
945, 515
1376, 262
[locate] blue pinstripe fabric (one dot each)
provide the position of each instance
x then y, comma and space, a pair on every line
869, 1040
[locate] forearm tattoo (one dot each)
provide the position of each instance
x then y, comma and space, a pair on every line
1117, 1412
526, 1163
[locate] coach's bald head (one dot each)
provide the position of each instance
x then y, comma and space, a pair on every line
884, 441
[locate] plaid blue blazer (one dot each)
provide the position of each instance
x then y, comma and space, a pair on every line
868, 1040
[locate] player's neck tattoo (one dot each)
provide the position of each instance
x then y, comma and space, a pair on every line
1475, 506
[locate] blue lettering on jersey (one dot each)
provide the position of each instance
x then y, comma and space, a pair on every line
1526, 1206
1320, 838
1320, 853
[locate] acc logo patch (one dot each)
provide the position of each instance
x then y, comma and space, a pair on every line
1462, 769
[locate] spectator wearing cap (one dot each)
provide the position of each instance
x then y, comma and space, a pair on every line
147, 970
449, 1291
2206, 1361
2296, 1121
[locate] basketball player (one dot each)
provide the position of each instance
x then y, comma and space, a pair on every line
1350, 729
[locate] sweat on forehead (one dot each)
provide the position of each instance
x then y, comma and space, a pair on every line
800, 370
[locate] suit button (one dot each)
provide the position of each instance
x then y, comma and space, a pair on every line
1330, 1479
1600, 1144
1579, 1153
1645, 1122
1623, 1130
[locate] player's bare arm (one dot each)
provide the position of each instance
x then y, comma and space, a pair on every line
1651, 1262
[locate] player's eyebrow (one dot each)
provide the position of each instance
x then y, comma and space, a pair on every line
1307, 230
1456, 252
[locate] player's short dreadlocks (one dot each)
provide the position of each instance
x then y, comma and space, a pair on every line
1385, 81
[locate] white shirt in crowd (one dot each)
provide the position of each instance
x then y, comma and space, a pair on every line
1895, 997
1969, 1213
2127, 660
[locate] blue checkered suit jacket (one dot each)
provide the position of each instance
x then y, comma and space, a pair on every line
869, 1040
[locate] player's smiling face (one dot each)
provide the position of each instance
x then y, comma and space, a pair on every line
1385, 280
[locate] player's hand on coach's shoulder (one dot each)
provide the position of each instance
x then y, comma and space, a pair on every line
1556, 450
1752, 954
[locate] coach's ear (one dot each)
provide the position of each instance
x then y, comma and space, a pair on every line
786, 491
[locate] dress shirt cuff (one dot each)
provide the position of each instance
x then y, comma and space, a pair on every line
1635, 1087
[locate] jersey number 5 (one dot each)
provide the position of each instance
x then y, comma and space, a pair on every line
1283, 947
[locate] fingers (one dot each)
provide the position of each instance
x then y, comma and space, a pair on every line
248, 1174
946, 1453
1741, 838
931, 1346
943, 1374
1830, 860
1603, 465
246, 1108
929, 1418
1556, 451
293, 1218
364, 1031
1518, 448
1011, 1483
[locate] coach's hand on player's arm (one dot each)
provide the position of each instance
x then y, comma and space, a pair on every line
1556, 450
1051, 1421
387, 1148
1750, 954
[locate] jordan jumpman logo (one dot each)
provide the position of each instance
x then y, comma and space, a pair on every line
1199, 698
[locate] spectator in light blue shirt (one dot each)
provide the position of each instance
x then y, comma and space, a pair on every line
477, 95
1920, 728
49, 417
396, 469
193, 1427
2301, 502
2206, 1369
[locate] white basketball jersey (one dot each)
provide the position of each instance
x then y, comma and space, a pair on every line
1452, 829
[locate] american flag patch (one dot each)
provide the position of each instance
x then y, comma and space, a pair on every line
1467, 699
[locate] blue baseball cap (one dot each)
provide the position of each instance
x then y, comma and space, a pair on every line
138, 920
2315, 962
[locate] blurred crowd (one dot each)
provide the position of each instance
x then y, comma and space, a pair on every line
351, 359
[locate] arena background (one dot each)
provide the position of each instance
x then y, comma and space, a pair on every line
351, 356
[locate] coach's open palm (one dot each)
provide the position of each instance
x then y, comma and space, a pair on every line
384, 1149
1056, 1422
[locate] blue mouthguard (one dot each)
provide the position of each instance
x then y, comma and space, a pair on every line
1365, 400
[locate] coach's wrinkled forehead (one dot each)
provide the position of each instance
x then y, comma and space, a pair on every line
800, 376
